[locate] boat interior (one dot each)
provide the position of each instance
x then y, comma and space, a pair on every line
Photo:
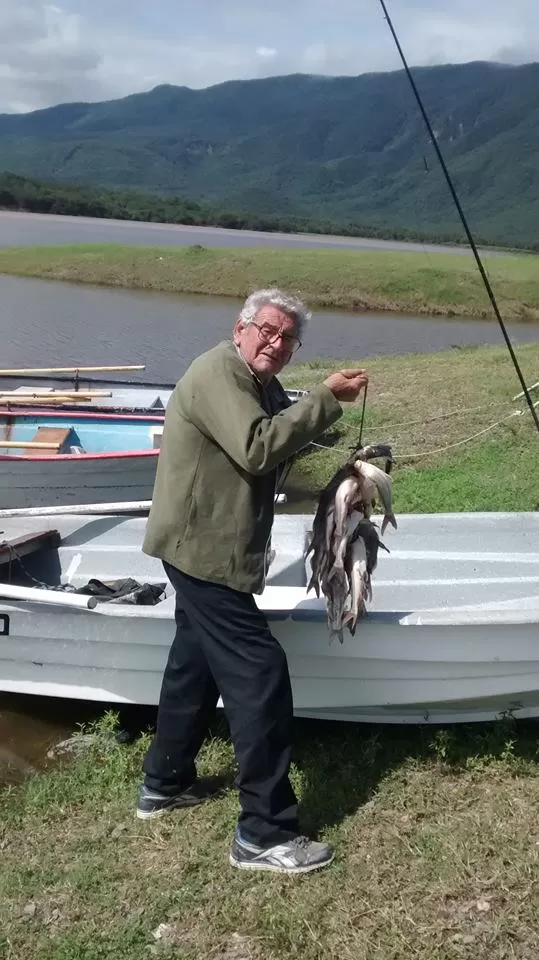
68, 434
441, 568
37, 552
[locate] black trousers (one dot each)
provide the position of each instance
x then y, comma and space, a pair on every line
223, 645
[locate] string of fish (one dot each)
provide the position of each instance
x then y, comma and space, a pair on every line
344, 541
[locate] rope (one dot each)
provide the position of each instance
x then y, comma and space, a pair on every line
459, 443
341, 451
442, 416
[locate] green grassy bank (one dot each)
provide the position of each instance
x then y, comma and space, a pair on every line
422, 404
415, 283
435, 832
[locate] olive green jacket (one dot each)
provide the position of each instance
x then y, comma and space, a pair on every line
223, 443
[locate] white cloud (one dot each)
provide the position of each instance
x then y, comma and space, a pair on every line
99, 49
44, 56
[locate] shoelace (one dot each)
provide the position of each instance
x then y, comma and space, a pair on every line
302, 842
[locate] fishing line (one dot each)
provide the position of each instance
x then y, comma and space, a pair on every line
464, 221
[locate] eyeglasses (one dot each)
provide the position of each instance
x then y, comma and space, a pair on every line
269, 334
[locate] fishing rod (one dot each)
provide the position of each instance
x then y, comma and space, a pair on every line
464, 221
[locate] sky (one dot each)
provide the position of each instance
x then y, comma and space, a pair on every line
102, 49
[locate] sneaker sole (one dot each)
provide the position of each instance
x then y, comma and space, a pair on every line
270, 868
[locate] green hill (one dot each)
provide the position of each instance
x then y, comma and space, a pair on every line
328, 148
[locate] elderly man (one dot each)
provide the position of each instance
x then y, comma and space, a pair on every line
229, 428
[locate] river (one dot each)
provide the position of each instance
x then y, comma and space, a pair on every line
47, 322
51, 323
31, 229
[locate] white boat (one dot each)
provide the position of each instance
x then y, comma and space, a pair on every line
452, 633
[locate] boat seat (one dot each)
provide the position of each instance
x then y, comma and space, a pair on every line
26, 543
156, 436
60, 436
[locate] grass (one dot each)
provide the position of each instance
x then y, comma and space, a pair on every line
423, 403
414, 283
435, 831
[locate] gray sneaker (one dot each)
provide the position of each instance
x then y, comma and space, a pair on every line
299, 855
152, 804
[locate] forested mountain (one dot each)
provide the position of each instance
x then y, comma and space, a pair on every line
327, 148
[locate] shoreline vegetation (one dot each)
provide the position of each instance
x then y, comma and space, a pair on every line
28, 194
429, 284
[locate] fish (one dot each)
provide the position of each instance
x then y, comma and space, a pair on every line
344, 542
383, 486
375, 451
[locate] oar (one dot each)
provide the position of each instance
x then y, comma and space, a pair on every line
78, 509
44, 398
11, 592
51, 394
89, 509
33, 444
150, 384
26, 371
52, 402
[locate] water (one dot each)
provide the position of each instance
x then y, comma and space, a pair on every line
30, 229
51, 323
31, 726
46, 322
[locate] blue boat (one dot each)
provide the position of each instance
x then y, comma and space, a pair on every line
59, 457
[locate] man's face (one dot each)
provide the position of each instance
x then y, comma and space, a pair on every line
266, 359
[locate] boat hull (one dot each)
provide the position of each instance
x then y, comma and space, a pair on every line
106, 458
47, 482
451, 636
428, 676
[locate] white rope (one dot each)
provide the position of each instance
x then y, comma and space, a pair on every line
455, 414
427, 453
459, 443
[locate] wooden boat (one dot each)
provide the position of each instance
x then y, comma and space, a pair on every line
50, 457
451, 634
66, 453
73, 388
111, 398
79, 388
108, 397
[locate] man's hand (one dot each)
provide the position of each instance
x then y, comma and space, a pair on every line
347, 384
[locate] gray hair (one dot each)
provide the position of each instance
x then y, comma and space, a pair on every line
289, 304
